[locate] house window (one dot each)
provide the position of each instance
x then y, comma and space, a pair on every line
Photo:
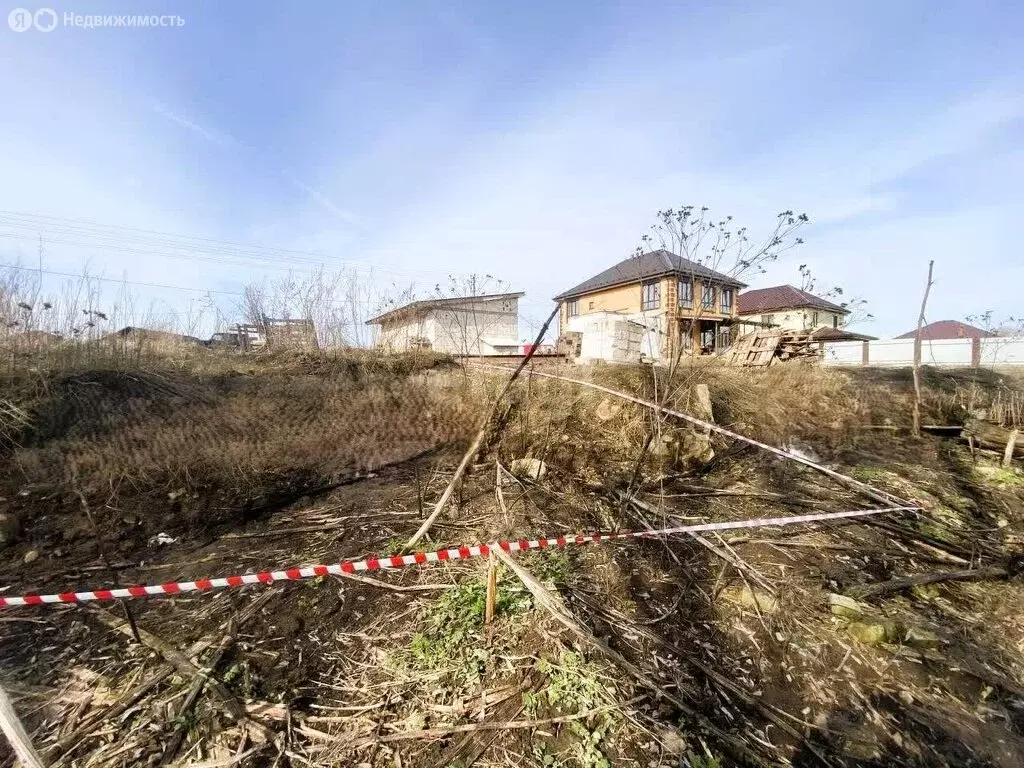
767, 320
686, 294
814, 320
651, 296
572, 307
707, 299
835, 321
726, 301
590, 305
724, 338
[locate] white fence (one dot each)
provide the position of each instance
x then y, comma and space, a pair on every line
961, 353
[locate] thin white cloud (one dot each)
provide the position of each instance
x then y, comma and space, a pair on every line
344, 214
215, 137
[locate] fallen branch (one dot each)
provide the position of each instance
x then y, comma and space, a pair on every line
431, 733
544, 599
767, 710
198, 684
898, 585
394, 587
224, 762
135, 694
16, 735
730, 557
186, 668
873, 493
282, 531
949, 552
479, 439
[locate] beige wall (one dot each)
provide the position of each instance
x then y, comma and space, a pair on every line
800, 319
627, 299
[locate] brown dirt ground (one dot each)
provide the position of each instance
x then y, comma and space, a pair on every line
341, 672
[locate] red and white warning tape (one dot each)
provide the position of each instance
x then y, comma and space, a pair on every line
419, 558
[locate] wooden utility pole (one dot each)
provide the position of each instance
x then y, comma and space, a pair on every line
917, 353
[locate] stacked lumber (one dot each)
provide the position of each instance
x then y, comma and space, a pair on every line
796, 346
770, 347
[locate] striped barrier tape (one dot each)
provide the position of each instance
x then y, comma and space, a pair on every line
419, 558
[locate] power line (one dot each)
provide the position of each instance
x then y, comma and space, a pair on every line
90, 224
114, 280
85, 233
240, 294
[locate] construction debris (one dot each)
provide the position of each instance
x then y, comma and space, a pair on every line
763, 348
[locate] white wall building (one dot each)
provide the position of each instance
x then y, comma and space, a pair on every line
473, 325
788, 308
618, 337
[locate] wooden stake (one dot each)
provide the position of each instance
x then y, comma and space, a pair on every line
917, 353
492, 590
1011, 443
16, 735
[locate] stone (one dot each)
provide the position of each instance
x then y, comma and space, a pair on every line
846, 607
534, 469
921, 639
31, 556
10, 528
607, 410
874, 633
752, 599
672, 741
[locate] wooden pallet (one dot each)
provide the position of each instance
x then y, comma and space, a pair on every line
753, 350
763, 348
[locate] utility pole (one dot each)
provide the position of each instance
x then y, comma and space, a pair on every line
917, 353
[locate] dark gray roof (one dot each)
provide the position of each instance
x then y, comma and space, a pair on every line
424, 305
647, 266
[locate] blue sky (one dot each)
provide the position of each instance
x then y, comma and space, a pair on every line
532, 141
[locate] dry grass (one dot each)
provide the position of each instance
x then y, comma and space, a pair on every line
232, 441
348, 673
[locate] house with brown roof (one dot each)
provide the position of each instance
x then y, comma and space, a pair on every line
677, 303
464, 325
791, 309
948, 329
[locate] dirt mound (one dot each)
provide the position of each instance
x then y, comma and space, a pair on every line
85, 405
171, 451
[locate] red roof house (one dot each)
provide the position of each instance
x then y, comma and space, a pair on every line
948, 329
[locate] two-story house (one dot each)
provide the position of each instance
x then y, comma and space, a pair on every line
681, 304
791, 309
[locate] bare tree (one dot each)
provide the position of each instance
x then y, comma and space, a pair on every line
719, 245
1008, 327
466, 321
857, 306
